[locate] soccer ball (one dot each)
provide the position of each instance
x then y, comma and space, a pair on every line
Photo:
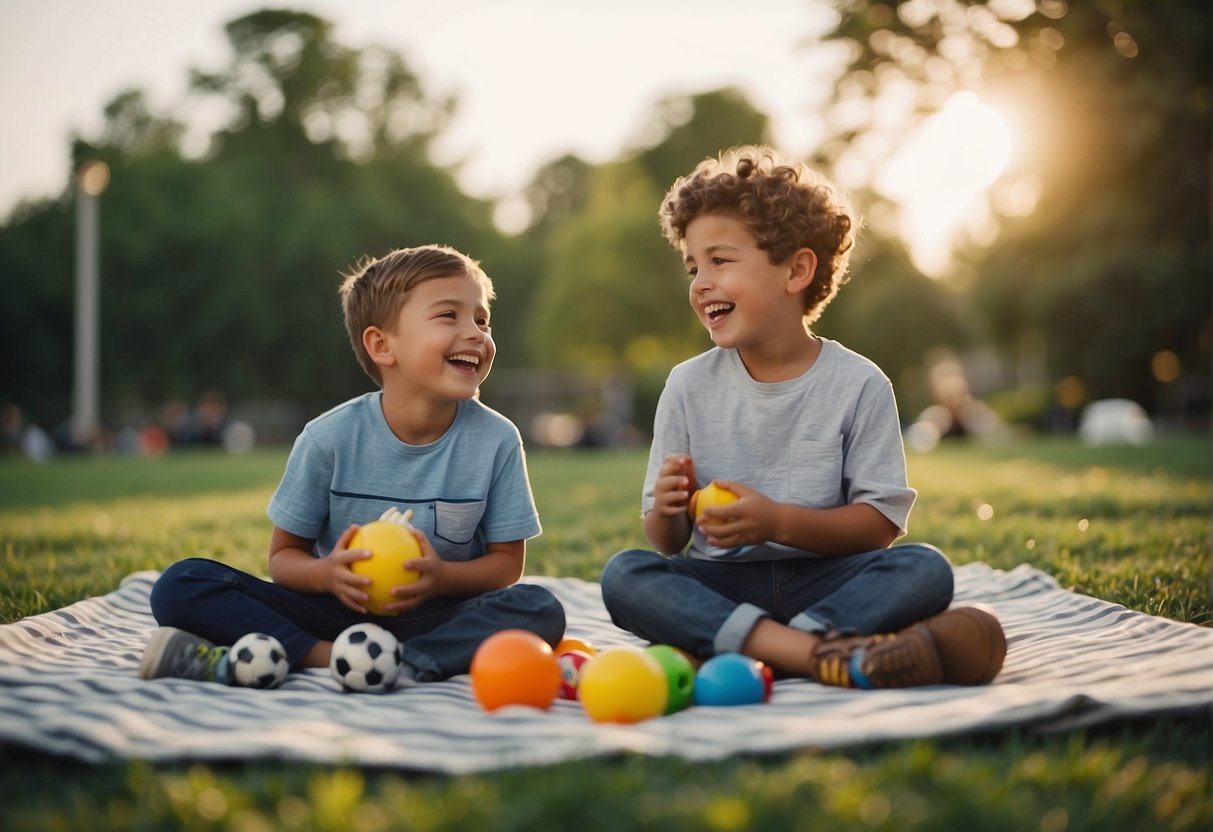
258, 661
365, 658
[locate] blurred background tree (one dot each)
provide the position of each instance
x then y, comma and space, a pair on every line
1090, 275
1082, 273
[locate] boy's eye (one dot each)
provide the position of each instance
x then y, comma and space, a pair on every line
692, 271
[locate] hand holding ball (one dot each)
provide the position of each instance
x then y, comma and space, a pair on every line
708, 496
391, 544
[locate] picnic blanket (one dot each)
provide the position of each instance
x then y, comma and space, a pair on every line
69, 686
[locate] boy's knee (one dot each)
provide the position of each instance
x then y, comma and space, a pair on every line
546, 609
930, 562
168, 595
617, 575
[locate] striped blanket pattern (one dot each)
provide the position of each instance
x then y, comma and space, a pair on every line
68, 686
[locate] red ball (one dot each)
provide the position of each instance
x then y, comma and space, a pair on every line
571, 662
515, 667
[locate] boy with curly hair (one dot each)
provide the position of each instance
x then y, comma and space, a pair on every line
798, 572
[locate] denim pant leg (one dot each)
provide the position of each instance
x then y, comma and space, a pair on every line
440, 636
220, 603
704, 607
877, 592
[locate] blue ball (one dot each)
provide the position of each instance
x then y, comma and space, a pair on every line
730, 679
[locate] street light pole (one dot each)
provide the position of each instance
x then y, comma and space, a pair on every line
91, 179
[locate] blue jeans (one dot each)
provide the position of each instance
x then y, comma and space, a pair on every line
707, 607
438, 637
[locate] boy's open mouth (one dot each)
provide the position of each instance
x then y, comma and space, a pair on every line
466, 361
716, 311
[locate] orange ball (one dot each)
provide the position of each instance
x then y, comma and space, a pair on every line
569, 643
515, 667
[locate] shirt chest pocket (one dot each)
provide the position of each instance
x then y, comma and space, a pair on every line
455, 527
815, 472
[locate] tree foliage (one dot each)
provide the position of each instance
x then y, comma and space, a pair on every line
220, 267
1111, 264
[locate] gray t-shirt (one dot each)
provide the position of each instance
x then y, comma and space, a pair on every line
467, 489
828, 438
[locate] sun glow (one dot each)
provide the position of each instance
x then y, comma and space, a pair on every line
941, 176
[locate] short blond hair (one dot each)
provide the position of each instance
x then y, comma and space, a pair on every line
784, 204
373, 293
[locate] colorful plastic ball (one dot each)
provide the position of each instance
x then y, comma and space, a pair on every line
569, 643
515, 667
622, 684
768, 681
679, 675
391, 546
571, 662
729, 679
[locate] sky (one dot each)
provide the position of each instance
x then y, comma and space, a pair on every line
535, 78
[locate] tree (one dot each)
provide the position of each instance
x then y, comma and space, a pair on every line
223, 271
1104, 247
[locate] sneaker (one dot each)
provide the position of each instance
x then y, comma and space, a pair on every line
961, 646
182, 655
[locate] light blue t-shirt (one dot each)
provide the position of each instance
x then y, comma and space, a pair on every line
828, 438
466, 489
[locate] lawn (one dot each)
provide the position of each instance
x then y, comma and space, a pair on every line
1130, 525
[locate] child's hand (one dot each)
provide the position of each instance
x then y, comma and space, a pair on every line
675, 482
748, 521
342, 581
429, 566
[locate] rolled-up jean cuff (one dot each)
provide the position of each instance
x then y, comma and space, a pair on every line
736, 628
807, 624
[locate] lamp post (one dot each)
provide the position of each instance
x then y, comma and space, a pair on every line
91, 180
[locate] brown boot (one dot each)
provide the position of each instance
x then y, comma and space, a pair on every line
962, 646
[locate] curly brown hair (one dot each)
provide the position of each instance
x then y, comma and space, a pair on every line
784, 204
374, 292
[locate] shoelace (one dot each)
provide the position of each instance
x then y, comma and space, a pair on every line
845, 670
202, 664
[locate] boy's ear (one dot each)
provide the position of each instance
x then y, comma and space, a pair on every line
377, 347
802, 265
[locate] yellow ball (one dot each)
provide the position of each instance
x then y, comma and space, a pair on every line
622, 684
710, 495
391, 545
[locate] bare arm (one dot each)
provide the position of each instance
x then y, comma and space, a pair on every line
293, 565
754, 518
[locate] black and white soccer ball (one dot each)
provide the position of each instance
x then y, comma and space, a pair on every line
258, 661
365, 658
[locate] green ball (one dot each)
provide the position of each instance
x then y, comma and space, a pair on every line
679, 675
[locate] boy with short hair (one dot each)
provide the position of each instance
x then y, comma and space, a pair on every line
418, 320
797, 572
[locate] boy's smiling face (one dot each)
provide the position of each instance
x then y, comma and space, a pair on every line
441, 344
742, 298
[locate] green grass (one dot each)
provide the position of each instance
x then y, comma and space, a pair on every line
1130, 525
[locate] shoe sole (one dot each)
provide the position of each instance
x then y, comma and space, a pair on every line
970, 643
